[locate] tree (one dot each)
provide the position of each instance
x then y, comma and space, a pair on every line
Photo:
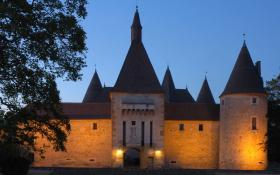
40, 41
273, 90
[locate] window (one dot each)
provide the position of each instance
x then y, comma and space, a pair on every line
181, 127
151, 133
94, 126
223, 102
124, 133
254, 123
143, 134
133, 123
254, 100
200, 127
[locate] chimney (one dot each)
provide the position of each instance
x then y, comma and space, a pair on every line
258, 67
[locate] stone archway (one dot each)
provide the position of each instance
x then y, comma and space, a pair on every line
132, 157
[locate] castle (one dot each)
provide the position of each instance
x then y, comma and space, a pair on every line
142, 123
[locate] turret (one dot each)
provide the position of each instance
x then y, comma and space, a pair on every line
205, 94
243, 123
168, 84
94, 89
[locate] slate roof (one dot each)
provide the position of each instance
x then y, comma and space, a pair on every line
171, 93
87, 110
95, 91
181, 96
192, 111
244, 77
136, 20
168, 83
137, 74
205, 94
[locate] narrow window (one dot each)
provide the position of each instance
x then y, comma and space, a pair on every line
200, 127
143, 133
254, 123
181, 127
151, 133
223, 102
133, 123
94, 126
254, 100
124, 133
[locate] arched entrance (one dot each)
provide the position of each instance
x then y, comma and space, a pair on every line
132, 157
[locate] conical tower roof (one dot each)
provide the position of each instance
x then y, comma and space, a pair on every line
168, 83
205, 94
244, 77
137, 74
94, 89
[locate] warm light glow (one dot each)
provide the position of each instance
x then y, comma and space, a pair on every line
158, 153
119, 153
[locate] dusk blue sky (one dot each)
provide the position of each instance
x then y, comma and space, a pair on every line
191, 36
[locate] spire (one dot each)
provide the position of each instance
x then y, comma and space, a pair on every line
167, 83
137, 74
205, 94
94, 87
244, 77
136, 28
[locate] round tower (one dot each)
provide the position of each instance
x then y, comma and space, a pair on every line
243, 122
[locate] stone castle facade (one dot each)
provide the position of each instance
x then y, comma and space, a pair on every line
140, 122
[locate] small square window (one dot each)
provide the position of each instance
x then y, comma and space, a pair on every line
94, 126
254, 100
181, 127
133, 123
200, 127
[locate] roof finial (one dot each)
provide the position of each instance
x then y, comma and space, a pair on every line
244, 39
206, 75
95, 67
136, 1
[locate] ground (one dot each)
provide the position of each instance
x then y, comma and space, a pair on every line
109, 171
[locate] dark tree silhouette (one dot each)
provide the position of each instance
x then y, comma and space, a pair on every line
40, 40
273, 90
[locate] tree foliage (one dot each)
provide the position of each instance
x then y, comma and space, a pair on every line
273, 90
40, 41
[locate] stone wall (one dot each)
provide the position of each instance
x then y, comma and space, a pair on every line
191, 148
85, 147
240, 146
